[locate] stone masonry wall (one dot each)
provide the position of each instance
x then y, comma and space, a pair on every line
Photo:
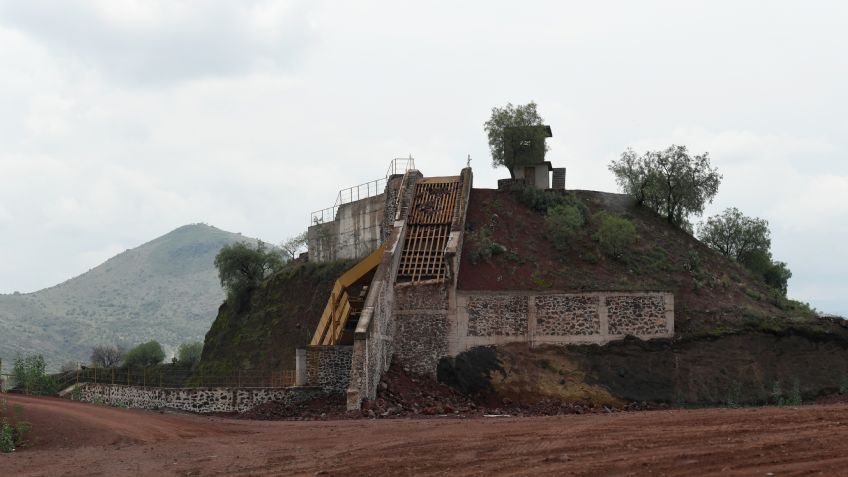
421, 315
199, 400
373, 344
497, 315
636, 315
562, 315
328, 367
492, 318
422, 341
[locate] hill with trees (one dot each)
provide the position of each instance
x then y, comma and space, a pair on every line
166, 290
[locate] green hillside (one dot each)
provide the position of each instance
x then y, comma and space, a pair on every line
166, 289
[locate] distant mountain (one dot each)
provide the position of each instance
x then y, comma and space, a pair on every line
166, 289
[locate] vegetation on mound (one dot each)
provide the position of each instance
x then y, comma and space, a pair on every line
714, 295
281, 315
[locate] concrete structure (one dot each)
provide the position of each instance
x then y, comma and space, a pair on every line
524, 154
354, 231
413, 312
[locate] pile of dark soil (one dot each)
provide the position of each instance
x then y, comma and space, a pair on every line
402, 394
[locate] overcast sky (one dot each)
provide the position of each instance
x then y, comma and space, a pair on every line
122, 120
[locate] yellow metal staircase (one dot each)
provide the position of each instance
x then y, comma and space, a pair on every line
345, 303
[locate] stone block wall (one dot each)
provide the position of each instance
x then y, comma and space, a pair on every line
637, 315
373, 344
421, 314
199, 400
563, 315
328, 367
490, 318
497, 315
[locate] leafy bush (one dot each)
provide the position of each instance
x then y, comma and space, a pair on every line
482, 247
145, 354
774, 273
12, 431
563, 222
541, 200
30, 376
615, 233
189, 353
748, 241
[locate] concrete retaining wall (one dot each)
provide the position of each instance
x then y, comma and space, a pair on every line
355, 232
200, 400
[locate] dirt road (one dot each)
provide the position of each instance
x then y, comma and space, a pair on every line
72, 438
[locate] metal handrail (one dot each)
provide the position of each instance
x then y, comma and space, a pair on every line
398, 165
394, 166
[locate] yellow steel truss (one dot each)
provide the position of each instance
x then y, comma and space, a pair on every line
336, 313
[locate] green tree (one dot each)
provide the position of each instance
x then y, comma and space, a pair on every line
775, 274
748, 241
670, 182
615, 233
509, 116
292, 246
145, 354
241, 268
734, 235
189, 353
563, 222
30, 375
106, 356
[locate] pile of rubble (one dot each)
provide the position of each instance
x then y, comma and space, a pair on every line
403, 394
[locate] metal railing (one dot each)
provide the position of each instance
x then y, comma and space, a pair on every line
164, 377
398, 165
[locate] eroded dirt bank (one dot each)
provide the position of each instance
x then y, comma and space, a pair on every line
81, 439
745, 368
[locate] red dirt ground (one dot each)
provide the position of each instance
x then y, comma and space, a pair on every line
72, 438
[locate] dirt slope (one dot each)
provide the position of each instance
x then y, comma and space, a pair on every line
712, 293
95, 440
282, 316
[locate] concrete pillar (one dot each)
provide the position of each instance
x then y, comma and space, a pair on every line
558, 178
603, 315
300, 367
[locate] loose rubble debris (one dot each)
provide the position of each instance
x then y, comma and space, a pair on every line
401, 394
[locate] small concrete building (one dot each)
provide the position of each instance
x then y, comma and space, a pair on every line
524, 152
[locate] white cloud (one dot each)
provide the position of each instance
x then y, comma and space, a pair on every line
121, 120
156, 42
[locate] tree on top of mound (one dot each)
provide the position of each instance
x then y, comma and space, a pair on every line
523, 120
670, 182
